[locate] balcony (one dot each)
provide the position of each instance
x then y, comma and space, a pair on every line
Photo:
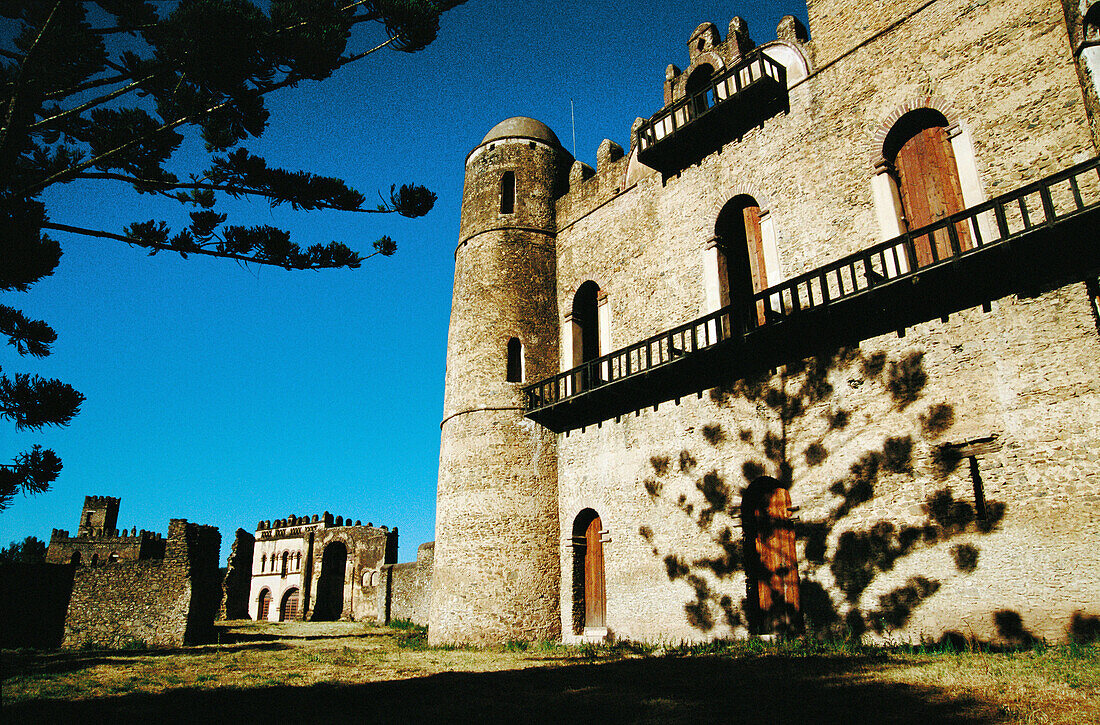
736, 100
1045, 233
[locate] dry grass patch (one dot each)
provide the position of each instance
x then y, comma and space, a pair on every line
263, 670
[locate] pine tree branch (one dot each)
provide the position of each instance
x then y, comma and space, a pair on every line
190, 250
87, 85
228, 188
10, 113
135, 85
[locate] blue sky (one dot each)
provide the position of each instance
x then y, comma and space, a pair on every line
224, 394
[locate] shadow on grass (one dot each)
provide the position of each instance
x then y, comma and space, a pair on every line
768, 689
16, 662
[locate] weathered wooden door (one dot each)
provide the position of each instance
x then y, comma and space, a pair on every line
290, 606
777, 586
928, 182
595, 596
265, 606
754, 242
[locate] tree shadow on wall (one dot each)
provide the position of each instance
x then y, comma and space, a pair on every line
842, 550
818, 689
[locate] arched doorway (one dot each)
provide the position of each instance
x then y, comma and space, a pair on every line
739, 231
330, 585
697, 82
771, 563
263, 608
589, 587
289, 608
920, 158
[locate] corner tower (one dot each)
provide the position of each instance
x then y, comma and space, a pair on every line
496, 570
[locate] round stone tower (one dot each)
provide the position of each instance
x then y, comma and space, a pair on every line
496, 571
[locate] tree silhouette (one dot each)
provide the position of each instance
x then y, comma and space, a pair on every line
840, 553
97, 90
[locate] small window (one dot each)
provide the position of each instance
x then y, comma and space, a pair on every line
508, 193
263, 563
515, 361
113, 558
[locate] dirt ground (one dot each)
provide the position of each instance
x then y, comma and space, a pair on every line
299, 672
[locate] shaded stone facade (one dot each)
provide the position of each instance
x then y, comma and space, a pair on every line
319, 568
406, 588
166, 602
942, 479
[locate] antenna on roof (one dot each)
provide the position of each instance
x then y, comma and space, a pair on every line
574, 121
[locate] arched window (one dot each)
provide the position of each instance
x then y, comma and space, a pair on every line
771, 563
75, 558
697, 82
741, 238
298, 561
263, 606
289, 608
589, 588
263, 563
286, 555
113, 558
515, 361
95, 559
921, 160
508, 192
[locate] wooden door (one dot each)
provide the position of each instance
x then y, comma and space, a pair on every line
928, 182
265, 606
595, 596
777, 588
290, 606
754, 242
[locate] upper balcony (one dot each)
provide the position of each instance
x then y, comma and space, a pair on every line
736, 100
1047, 232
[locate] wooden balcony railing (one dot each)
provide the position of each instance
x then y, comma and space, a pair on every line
1047, 231
737, 99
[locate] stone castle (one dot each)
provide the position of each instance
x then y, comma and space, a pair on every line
818, 352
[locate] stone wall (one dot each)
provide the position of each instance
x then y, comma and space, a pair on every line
165, 603
33, 602
238, 577
406, 593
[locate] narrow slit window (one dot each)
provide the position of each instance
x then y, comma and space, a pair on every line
515, 361
508, 193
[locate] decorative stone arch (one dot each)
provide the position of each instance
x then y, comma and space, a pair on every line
332, 576
884, 188
790, 56
1089, 49
289, 606
715, 261
588, 586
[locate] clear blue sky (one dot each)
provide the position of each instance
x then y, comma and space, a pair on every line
224, 394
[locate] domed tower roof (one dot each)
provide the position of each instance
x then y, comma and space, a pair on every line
522, 127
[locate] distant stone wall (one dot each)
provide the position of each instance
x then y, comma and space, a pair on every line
406, 593
33, 601
165, 603
238, 577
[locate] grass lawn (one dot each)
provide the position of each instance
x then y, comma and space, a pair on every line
316, 672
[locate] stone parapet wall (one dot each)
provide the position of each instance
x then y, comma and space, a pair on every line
407, 591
